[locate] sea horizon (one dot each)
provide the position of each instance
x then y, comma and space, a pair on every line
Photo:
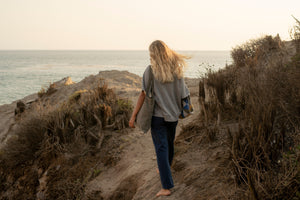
23, 72
97, 50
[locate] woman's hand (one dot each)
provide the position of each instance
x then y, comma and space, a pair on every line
137, 108
131, 121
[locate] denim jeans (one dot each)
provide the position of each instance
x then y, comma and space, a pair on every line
163, 135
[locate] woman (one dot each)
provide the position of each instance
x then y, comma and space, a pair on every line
169, 89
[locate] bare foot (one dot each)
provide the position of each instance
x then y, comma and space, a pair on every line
157, 171
163, 192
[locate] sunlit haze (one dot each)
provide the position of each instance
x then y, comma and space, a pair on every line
134, 24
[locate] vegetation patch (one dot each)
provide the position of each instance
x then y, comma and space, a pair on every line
47, 91
257, 98
63, 146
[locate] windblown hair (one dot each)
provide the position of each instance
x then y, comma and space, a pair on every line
166, 63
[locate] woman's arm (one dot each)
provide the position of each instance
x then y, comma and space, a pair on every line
137, 108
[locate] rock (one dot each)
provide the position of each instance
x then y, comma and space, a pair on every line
68, 81
20, 107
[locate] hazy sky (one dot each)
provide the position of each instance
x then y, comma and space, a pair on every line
134, 24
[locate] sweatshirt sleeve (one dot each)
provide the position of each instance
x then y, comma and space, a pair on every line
145, 79
185, 91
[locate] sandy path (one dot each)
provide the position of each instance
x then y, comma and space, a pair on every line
200, 177
138, 160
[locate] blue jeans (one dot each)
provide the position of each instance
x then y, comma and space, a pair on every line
163, 135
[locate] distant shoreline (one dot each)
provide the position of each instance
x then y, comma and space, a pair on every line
106, 50
24, 72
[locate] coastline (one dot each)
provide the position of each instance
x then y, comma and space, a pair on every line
125, 84
26, 72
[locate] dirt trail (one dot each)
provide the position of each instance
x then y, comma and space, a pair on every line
135, 177
139, 163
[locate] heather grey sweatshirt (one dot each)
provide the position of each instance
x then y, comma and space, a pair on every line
167, 96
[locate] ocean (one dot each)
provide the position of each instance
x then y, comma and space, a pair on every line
26, 72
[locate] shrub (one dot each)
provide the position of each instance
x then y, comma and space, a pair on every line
258, 52
46, 92
264, 94
68, 136
295, 34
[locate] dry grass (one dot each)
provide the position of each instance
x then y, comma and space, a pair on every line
261, 92
295, 34
65, 142
259, 52
46, 92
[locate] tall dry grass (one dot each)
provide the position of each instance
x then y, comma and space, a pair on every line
261, 92
62, 143
295, 34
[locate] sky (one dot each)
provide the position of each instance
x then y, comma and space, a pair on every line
134, 24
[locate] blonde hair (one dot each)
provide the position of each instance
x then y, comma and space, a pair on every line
166, 63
